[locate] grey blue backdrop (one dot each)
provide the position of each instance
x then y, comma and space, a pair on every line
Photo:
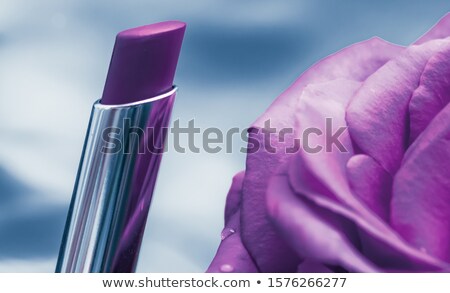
237, 57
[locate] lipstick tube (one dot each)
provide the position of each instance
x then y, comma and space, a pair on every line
114, 186
122, 152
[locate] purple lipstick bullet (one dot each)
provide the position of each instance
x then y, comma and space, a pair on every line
143, 62
122, 152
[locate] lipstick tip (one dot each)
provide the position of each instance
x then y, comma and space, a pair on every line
152, 29
143, 62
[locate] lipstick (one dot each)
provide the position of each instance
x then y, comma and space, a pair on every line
122, 152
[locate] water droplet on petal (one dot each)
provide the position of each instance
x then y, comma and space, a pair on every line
226, 268
227, 232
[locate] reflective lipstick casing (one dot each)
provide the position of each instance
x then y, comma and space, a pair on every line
122, 152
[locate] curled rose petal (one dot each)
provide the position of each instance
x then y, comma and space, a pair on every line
327, 165
421, 195
318, 236
371, 183
432, 94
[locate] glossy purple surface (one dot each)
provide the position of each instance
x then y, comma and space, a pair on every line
143, 62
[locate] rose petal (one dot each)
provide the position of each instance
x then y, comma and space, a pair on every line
314, 234
380, 108
441, 30
258, 234
421, 196
432, 94
317, 103
371, 183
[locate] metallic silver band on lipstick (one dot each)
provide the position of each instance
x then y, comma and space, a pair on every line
113, 191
